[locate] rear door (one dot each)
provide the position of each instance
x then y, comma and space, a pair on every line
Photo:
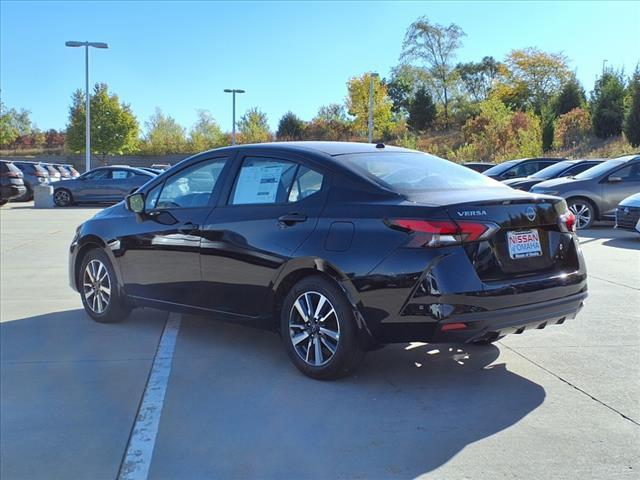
272, 207
619, 185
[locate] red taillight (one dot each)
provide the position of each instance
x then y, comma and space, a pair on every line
11, 174
453, 326
569, 220
433, 233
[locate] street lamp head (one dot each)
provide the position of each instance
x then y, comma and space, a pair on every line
375, 74
233, 90
86, 44
74, 44
98, 45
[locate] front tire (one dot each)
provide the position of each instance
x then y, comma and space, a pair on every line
584, 211
62, 197
99, 290
319, 330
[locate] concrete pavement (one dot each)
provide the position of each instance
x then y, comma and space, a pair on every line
563, 402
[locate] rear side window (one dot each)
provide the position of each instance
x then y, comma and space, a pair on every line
121, 174
306, 183
189, 188
263, 180
416, 172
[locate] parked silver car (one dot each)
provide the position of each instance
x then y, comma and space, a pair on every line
595, 193
100, 185
628, 213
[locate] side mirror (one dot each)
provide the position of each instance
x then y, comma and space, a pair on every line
135, 202
614, 179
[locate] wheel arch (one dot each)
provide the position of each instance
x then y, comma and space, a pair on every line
297, 269
85, 245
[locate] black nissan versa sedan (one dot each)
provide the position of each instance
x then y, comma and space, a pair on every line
341, 247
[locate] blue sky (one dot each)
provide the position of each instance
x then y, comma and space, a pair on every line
287, 55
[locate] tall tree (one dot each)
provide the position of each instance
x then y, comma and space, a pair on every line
330, 123
13, 125
403, 84
254, 126
358, 105
607, 105
290, 127
478, 78
435, 46
535, 75
570, 97
422, 111
206, 133
632, 119
164, 135
114, 128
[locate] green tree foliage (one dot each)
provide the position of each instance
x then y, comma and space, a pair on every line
435, 46
254, 127
570, 97
572, 128
530, 77
547, 120
358, 105
632, 119
164, 135
403, 84
13, 125
290, 127
607, 105
114, 128
478, 78
205, 134
422, 111
497, 133
331, 123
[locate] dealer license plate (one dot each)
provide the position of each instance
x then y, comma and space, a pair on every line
524, 244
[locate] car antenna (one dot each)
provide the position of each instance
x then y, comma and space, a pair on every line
380, 145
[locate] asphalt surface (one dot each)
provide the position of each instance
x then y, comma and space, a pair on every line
563, 402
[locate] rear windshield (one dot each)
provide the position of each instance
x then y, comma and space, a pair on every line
552, 171
9, 167
598, 170
416, 172
501, 168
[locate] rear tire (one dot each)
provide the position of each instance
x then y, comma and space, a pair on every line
487, 341
3, 202
99, 290
318, 329
62, 197
584, 210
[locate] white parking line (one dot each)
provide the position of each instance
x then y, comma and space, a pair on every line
137, 459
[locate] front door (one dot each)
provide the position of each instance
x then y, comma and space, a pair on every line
619, 185
161, 260
271, 209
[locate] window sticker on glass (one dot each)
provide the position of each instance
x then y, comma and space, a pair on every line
258, 184
119, 174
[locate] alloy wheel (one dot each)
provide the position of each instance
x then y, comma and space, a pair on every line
96, 286
62, 197
582, 211
314, 328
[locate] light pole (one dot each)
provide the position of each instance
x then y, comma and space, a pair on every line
604, 62
371, 77
233, 91
87, 134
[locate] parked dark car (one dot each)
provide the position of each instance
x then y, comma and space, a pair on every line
100, 185
520, 168
155, 171
341, 247
479, 166
628, 213
33, 174
567, 168
11, 182
595, 193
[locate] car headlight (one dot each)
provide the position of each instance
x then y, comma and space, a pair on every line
546, 192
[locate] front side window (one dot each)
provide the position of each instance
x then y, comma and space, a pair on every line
630, 173
189, 188
525, 169
98, 175
263, 180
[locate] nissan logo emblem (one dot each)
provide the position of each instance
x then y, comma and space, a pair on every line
531, 214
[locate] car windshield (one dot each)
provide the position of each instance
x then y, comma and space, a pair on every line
598, 170
414, 172
552, 171
501, 168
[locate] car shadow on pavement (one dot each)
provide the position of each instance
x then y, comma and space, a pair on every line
236, 407
612, 237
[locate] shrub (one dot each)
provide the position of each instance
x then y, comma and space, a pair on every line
632, 119
572, 128
607, 106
